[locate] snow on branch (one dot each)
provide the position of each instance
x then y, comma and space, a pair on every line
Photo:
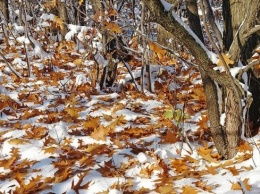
212, 56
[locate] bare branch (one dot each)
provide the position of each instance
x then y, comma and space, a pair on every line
212, 22
10, 65
195, 47
248, 67
165, 48
252, 31
212, 41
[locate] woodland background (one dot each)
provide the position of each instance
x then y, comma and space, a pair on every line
109, 96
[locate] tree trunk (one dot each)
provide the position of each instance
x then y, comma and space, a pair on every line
240, 18
4, 9
82, 13
217, 130
226, 137
243, 29
63, 16
193, 18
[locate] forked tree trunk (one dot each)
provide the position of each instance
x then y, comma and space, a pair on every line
227, 136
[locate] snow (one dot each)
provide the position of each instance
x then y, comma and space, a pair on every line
47, 16
223, 119
131, 148
141, 157
100, 59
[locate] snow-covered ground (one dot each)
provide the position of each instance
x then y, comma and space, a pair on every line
60, 133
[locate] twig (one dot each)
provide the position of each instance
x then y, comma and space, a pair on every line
167, 49
10, 65
27, 60
243, 188
130, 72
144, 45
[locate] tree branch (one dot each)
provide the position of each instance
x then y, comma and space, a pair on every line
10, 65
236, 87
196, 48
252, 31
212, 22
248, 67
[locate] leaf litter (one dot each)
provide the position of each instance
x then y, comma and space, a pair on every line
60, 133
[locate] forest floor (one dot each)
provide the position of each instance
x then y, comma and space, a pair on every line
60, 133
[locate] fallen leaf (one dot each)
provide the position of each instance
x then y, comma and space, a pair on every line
205, 153
17, 141
233, 170
72, 112
100, 133
236, 186
50, 150
203, 185
169, 137
226, 59
112, 26
166, 189
157, 49
212, 169
189, 190
245, 146
91, 123
203, 122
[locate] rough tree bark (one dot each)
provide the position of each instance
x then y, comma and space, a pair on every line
63, 16
4, 9
193, 18
227, 136
243, 30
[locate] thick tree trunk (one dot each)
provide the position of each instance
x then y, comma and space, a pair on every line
241, 37
233, 122
240, 20
217, 130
